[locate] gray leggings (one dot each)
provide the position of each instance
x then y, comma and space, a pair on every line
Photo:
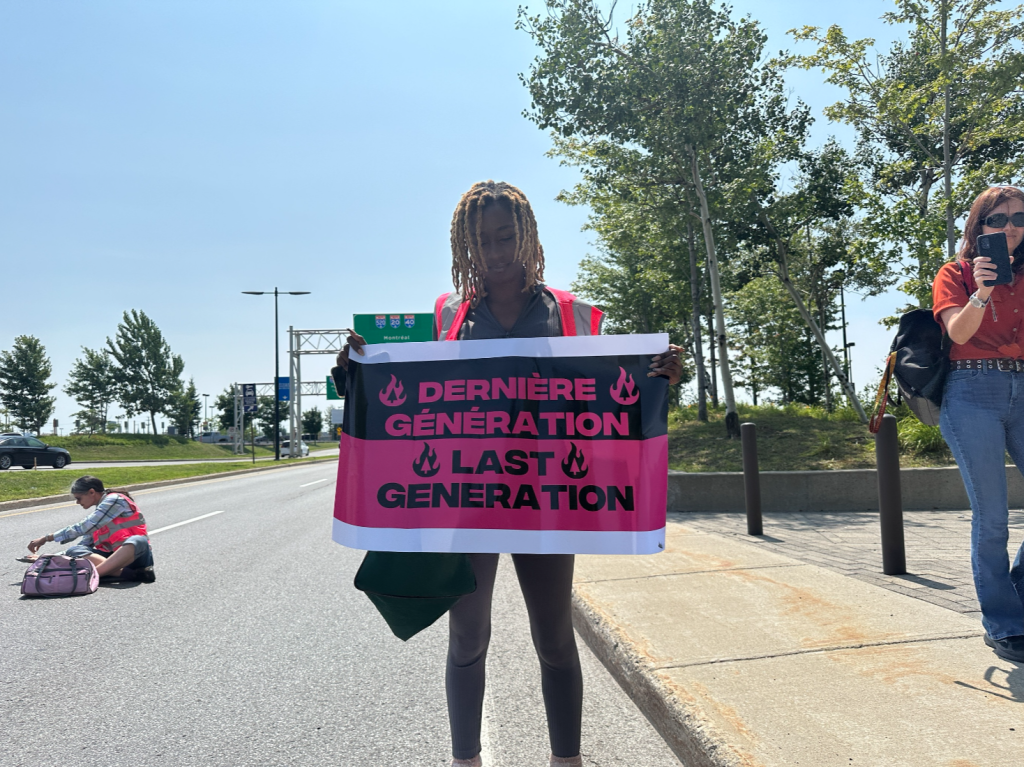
546, 581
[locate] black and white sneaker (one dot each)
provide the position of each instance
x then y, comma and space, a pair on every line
1008, 648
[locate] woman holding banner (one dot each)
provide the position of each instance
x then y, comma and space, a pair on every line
498, 270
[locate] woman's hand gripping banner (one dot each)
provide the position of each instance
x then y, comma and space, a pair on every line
536, 445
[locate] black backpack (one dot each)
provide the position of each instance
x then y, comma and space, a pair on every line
919, 361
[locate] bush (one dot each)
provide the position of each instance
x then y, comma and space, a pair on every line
916, 437
792, 408
102, 440
682, 414
845, 413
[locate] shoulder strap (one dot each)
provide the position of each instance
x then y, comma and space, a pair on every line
595, 321
566, 311
460, 317
437, 312
564, 299
452, 333
967, 276
882, 398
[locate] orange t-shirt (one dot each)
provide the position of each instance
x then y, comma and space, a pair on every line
1000, 333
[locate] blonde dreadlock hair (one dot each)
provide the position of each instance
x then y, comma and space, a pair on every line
467, 256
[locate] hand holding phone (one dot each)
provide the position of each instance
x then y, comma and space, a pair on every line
993, 247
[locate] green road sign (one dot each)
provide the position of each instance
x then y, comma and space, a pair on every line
394, 328
332, 393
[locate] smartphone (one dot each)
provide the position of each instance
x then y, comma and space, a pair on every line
994, 246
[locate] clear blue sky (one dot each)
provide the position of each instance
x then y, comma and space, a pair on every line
167, 155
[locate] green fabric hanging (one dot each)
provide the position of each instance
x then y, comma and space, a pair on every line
411, 590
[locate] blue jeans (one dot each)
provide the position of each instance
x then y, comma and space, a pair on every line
982, 419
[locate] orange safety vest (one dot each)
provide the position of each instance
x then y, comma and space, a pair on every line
578, 317
108, 537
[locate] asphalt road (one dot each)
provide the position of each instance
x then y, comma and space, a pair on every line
253, 648
75, 466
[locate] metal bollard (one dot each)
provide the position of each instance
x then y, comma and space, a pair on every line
890, 498
751, 478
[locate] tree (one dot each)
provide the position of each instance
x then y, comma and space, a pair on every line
779, 224
265, 415
685, 92
87, 421
312, 422
638, 278
775, 348
225, 404
185, 408
940, 117
93, 384
225, 418
147, 372
24, 388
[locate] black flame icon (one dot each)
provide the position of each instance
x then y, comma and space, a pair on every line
624, 390
394, 394
427, 464
575, 459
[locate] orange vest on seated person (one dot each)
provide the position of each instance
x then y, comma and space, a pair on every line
578, 317
108, 537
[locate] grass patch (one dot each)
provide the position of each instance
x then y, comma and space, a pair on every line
142, 447
16, 485
797, 438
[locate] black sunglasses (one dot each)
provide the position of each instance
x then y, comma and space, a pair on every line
998, 220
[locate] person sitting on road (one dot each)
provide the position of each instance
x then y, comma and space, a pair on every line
115, 537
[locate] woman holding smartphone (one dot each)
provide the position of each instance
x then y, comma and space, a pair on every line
983, 403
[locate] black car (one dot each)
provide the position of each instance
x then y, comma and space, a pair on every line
29, 451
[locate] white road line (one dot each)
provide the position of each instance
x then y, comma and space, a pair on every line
187, 521
315, 482
200, 480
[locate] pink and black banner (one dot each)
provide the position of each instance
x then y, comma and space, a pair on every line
535, 445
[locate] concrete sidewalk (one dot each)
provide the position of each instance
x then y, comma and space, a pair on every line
742, 656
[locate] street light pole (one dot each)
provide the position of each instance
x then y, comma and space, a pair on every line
846, 345
206, 411
277, 386
277, 364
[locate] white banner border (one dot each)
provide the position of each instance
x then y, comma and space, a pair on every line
477, 541
556, 346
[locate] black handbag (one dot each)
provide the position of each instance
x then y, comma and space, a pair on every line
411, 590
919, 361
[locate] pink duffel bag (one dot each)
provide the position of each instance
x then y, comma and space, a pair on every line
57, 576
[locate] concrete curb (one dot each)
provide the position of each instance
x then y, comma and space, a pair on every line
312, 454
835, 490
161, 460
694, 741
48, 499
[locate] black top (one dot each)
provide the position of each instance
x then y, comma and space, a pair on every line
539, 318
